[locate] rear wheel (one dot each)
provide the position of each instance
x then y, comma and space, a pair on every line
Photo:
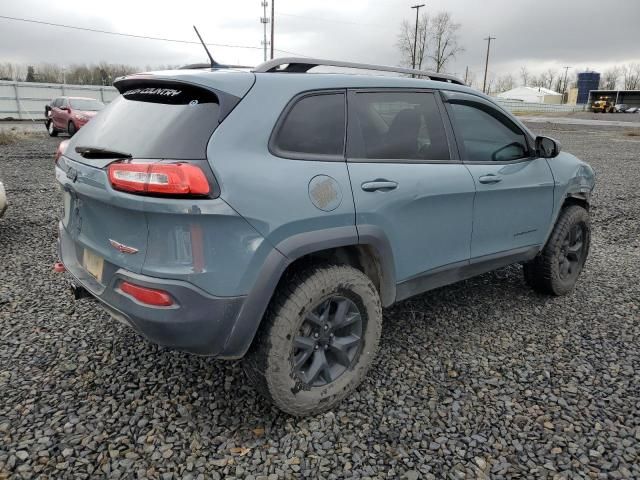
52, 129
71, 128
556, 269
318, 339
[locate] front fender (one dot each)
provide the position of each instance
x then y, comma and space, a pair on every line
573, 178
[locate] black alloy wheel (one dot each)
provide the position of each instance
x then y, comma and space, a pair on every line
328, 342
572, 252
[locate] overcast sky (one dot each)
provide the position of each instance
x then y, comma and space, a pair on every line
537, 33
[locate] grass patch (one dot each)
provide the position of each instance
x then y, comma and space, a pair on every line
13, 135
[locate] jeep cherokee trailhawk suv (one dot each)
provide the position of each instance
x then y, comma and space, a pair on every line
271, 214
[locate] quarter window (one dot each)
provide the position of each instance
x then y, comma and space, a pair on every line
487, 135
398, 126
315, 125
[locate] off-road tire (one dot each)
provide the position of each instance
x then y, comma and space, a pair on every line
269, 364
543, 272
51, 129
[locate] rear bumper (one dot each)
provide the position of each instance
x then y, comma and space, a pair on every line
198, 323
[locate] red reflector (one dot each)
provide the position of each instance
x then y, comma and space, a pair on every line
60, 150
149, 296
59, 267
159, 178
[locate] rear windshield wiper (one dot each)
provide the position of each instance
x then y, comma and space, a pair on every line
96, 152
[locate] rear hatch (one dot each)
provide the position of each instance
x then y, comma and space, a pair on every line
155, 121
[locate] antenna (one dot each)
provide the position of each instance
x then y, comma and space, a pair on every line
214, 64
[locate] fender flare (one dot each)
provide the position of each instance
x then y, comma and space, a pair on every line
575, 193
293, 248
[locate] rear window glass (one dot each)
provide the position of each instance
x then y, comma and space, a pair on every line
398, 126
155, 121
315, 125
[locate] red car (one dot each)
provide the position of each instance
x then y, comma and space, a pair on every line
69, 114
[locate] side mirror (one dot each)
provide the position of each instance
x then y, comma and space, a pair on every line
547, 147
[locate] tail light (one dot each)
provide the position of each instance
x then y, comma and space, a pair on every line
176, 179
150, 296
62, 147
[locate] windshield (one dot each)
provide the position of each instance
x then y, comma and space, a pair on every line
87, 104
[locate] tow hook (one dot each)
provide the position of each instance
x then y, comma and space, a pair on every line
80, 292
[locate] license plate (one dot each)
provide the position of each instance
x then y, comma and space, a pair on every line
93, 264
67, 208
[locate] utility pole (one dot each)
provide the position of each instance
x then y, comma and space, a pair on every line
273, 22
264, 20
415, 39
564, 89
466, 75
486, 63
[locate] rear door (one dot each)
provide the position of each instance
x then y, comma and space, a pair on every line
514, 199
407, 181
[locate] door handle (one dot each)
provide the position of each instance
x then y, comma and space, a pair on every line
382, 185
490, 178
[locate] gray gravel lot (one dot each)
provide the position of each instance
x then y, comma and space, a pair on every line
482, 379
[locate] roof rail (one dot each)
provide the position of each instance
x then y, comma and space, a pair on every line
303, 65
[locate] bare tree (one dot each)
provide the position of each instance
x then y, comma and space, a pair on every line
610, 78
550, 76
406, 39
631, 76
444, 40
470, 78
525, 76
559, 84
504, 83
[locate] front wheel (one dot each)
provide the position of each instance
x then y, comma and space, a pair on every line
556, 269
71, 128
317, 340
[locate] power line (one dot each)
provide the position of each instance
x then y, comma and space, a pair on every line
120, 34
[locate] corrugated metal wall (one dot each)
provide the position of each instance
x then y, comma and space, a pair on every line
516, 106
26, 100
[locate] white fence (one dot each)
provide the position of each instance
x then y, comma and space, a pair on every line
516, 106
26, 100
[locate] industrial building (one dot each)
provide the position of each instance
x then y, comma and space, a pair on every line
628, 97
532, 95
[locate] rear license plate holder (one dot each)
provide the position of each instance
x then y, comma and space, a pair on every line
94, 264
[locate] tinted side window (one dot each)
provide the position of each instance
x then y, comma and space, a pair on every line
315, 125
398, 125
488, 136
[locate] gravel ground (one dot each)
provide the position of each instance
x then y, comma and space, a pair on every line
482, 379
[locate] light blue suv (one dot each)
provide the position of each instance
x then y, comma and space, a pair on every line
272, 214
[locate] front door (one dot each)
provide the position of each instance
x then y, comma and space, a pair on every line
406, 182
514, 199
